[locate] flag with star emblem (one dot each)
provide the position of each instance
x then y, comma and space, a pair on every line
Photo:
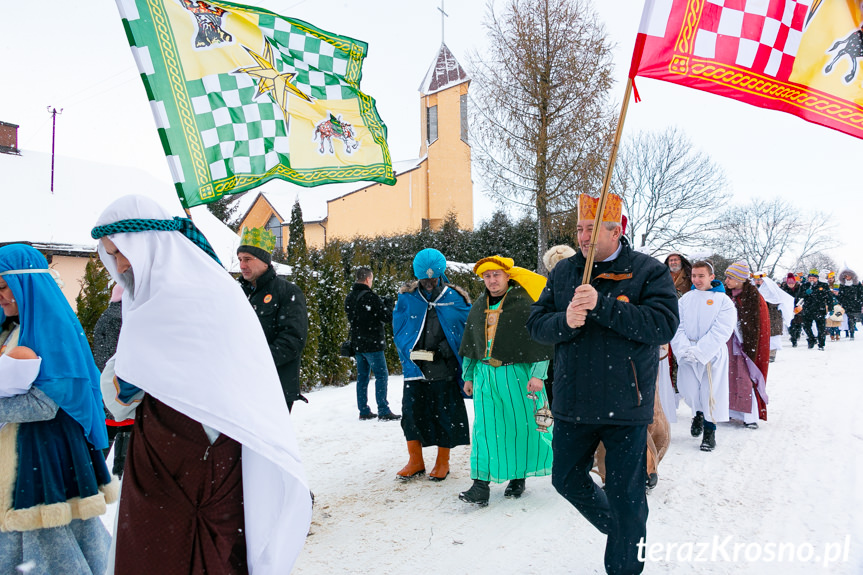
242, 95
797, 56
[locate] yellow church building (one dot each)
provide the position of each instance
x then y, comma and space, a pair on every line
426, 189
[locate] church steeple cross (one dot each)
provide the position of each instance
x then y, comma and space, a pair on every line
443, 15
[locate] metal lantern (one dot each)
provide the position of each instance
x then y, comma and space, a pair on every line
542, 415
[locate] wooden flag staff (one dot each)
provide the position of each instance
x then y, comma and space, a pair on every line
606, 184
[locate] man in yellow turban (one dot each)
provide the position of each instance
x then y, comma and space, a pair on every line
500, 365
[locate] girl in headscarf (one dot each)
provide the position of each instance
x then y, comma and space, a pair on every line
53, 479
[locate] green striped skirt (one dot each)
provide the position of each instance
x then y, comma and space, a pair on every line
505, 443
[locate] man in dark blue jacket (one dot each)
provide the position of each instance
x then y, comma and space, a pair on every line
607, 335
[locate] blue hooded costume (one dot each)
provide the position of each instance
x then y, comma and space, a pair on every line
55, 465
433, 410
410, 312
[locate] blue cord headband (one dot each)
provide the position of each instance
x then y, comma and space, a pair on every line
183, 225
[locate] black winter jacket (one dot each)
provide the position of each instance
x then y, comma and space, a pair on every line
851, 297
368, 314
817, 300
281, 308
605, 371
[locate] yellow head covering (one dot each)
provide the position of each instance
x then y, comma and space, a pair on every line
533, 283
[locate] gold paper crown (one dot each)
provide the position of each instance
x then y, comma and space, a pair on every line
587, 206
258, 237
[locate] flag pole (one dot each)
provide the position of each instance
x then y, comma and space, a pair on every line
606, 184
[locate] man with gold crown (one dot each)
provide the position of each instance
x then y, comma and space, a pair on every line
280, 306
606, 335
501, 364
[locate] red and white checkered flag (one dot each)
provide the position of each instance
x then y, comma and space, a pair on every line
788, 55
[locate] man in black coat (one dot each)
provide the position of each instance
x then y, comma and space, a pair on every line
817, 301
851, 298
368, 314
281, 308
606, 335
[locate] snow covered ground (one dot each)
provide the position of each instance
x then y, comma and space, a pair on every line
792, 487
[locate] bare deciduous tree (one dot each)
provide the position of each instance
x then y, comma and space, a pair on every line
764, 232
670, 191
541, 124
817, 260
816, 235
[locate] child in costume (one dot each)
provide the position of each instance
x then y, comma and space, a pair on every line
707, 320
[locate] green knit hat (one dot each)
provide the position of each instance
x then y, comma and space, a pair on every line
814, 272
258, 242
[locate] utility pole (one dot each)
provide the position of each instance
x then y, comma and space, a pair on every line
53, 112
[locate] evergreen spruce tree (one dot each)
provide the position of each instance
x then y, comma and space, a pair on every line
94, 297
450, 240
387, 281
331, 293
304, 275
296, 232
225, 209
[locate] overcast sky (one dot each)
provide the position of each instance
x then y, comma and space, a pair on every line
64, 55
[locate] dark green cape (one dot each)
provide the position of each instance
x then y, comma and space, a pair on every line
512, 342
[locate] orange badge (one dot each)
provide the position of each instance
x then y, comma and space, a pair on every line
710, 302
268, 298
622, 298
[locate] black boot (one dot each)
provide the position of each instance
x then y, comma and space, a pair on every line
514, 489
697, 424
709, 440
477, 494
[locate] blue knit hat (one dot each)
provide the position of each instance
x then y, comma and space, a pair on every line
430, 263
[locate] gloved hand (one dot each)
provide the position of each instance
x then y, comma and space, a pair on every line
689, 356
389, 302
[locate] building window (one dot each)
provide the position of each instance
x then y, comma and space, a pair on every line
275, 226
463, 113
431, 123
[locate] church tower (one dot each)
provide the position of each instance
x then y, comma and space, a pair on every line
443, 116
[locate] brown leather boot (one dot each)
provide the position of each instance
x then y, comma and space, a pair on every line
415, 466
441, 465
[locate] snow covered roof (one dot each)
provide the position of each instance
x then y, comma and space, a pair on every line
313, 201
62, 220
82, 189
444, 73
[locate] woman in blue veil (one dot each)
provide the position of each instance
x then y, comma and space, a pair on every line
53, 479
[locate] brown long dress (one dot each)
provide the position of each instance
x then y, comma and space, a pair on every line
181, 507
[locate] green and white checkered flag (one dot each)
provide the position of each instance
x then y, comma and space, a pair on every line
242, 95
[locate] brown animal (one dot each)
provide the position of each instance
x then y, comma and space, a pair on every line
658, 438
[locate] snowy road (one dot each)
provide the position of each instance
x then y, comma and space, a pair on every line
791, 487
